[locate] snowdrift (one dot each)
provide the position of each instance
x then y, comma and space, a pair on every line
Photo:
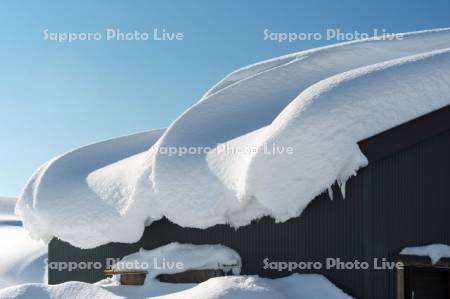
73, 289
22, 259
265, 140
307, 286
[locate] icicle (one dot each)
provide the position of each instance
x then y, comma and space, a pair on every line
342, 187
330, 192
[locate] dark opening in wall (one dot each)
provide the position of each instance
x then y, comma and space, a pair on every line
420, 279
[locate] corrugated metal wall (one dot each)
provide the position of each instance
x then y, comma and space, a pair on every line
409, 204
398, 201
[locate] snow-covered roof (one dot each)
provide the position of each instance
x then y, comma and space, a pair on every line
265, 140
58, 200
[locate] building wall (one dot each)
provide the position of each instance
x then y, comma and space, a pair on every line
408, 196
401, 200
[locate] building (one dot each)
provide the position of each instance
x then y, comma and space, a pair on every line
402, 198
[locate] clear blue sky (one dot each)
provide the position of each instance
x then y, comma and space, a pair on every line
57, 96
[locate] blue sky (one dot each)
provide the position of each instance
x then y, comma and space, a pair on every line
57, 96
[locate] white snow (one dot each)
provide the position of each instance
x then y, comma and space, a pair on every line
315, 104
7, 205
325, 122
306, 286
301, 286
73, 289
22, 259
434, 251
176, 258
59, 199
190, 256
217, 192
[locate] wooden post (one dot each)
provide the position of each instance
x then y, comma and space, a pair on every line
400, 283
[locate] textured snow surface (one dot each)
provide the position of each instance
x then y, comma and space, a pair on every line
281, 132
434, 251
62, 199
251, 99
22, 259
306, 286
68, 290
191, 257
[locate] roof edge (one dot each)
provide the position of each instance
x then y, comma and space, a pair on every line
405, 135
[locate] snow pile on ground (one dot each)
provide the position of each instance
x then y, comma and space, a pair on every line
434, 251
7, 205
306, 286
176, 258
22, 259
73, 289
265, 140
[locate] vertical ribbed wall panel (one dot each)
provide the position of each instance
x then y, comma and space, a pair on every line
409, 204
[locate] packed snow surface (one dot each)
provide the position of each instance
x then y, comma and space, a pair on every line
265, 140
176, 258
434, 251
73, 289
22, 259
306, 286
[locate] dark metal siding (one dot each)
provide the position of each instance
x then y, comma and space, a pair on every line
409, 204
306, 238
394, 202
